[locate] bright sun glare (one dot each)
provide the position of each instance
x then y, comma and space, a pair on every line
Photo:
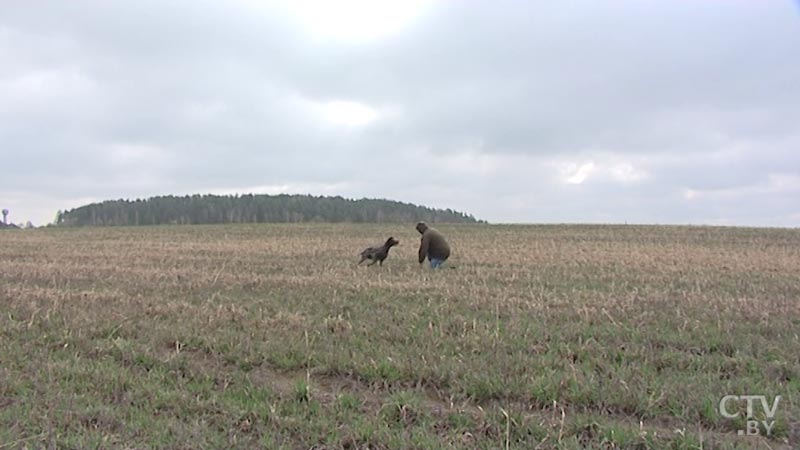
356, 20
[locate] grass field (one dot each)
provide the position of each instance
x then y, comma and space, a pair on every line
269, 336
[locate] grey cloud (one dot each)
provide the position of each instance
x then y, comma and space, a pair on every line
127, 99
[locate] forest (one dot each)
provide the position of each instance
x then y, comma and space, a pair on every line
249, 208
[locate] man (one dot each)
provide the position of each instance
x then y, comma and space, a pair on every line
433, 246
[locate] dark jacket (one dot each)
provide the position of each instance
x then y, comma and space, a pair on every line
433, 244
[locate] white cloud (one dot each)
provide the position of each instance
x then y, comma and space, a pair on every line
606, 168
348, 113
626, 173
355, 21
574, 174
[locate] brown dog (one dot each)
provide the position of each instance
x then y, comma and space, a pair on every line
378, 253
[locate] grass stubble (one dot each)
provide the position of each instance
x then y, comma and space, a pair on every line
269, 336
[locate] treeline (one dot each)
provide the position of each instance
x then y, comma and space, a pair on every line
248, 208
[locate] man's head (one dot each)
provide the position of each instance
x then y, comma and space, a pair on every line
421, 227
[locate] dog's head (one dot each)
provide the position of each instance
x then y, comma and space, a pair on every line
391, 242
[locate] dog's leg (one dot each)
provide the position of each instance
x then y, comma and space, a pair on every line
373, 262
363, 258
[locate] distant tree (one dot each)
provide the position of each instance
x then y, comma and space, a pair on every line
5, 216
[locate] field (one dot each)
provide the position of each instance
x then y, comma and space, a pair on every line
269, 336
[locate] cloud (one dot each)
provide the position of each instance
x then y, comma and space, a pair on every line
573, 174
668, 112
341, 112
354, 21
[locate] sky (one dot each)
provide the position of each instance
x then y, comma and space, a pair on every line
578, 111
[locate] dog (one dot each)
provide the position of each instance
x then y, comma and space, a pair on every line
378, 253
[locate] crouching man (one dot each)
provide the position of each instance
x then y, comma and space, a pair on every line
433, 246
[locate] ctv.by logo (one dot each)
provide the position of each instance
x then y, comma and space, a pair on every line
752, 428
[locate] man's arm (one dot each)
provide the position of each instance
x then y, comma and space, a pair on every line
423, 247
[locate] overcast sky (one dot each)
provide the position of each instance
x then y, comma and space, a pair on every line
645, 111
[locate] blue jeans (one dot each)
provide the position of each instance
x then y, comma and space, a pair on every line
436, 262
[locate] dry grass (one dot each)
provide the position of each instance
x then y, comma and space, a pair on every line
269, 336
